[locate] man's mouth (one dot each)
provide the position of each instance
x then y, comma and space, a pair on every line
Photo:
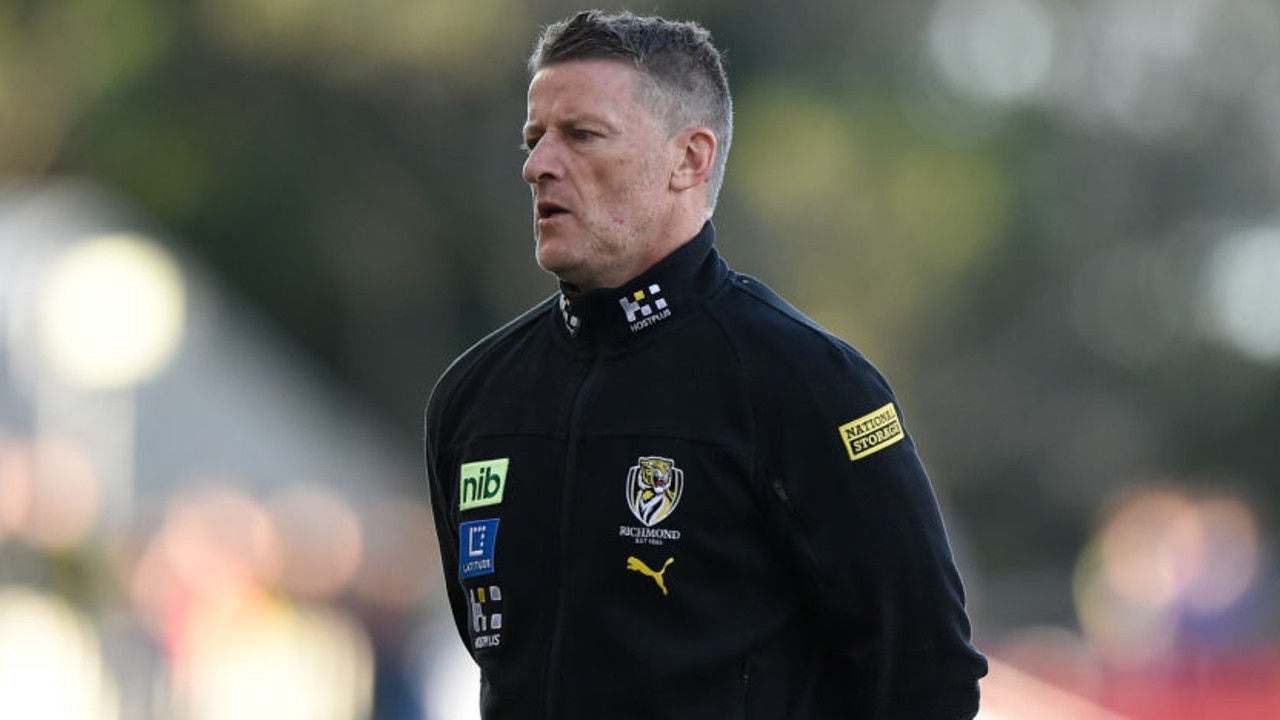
547, 209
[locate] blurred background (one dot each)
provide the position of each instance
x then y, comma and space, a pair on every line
239, 240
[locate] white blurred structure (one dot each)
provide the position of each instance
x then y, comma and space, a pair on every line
231, 400
227, 517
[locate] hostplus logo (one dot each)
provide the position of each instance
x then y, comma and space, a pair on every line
486, 616
571, 322
644, 308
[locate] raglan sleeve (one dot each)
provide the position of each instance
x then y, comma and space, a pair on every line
864, 530
444, 504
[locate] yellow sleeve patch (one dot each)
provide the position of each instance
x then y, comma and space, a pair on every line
872, 432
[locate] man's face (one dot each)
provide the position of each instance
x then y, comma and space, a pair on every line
600, 169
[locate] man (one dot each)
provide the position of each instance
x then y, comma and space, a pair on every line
664, 492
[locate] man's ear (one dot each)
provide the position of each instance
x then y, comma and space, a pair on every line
697, 146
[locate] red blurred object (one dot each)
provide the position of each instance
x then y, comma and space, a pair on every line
1198, 686
1192, 686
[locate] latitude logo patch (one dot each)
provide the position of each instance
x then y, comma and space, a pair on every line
644, 308
654, 487
481, 483
476, 542
872, 432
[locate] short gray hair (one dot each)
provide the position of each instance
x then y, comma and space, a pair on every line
685, 75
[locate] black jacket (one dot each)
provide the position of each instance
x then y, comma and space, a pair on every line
683, 499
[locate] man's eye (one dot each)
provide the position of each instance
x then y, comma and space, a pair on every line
584, 135
528, 144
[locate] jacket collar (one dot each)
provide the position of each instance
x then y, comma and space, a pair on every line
616, 317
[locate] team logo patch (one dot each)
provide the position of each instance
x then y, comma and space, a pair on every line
481, 483
636, 564
654, 486
872, 433
644, 308
476, 542
486, 616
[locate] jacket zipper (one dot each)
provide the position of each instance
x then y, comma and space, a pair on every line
562, 540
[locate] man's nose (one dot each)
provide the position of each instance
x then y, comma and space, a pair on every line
543, 162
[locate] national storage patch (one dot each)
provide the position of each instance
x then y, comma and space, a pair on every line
872, 432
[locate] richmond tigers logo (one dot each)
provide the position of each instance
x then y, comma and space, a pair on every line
654, 486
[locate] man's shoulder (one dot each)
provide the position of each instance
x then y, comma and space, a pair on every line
523, 323
782, 347
753, 309
490, 346
797, 372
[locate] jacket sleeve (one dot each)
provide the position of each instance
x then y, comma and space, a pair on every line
444, 509
866, 537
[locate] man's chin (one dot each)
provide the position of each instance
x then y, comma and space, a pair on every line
556, 263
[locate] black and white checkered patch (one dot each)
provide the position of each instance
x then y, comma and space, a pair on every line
571, 321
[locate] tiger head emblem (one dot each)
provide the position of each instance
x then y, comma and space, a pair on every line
654, 486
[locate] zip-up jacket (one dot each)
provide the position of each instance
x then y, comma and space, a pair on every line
682, 499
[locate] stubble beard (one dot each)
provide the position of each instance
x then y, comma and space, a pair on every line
587, 262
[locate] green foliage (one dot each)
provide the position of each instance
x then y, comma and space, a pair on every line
876, 224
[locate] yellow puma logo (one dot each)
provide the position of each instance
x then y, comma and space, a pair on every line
635, 563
